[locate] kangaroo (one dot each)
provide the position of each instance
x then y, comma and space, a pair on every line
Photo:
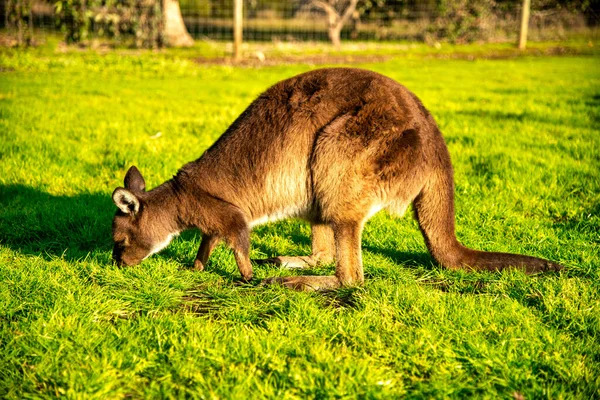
331, 146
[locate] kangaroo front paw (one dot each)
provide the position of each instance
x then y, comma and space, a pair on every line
198, 265
305, 283
247, 277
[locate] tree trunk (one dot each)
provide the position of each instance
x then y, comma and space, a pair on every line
176, 34
20, 22
337, 19
238, 28
30, 25
334, 33
524, 24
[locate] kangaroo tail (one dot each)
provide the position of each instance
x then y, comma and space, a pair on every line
434, 210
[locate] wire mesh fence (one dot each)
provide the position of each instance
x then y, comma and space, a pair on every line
301, 20
147, 23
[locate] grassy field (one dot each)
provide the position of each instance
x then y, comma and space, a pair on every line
523, 134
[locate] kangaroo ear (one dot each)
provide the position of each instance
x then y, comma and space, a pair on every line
134, 180
126, 201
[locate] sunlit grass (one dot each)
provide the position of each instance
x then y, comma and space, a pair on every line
523, 134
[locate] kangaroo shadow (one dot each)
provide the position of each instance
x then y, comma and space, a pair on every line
405, 258
291, 231
527, 116
38, 223
34, 222
185, 258
298, 237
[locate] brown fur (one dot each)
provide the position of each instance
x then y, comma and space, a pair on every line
331, 146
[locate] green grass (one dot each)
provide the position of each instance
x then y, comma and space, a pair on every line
45, 54
523, 134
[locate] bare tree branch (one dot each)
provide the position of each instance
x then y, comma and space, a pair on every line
336, 18
331, 12
348, 12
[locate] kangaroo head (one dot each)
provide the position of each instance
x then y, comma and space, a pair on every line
138, 229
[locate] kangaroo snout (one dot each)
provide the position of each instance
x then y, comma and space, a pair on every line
117, 259
121, 259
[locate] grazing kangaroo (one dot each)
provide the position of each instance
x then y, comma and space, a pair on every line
331, 146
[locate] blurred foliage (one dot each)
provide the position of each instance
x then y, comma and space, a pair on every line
19, 19
139, 19
461, 21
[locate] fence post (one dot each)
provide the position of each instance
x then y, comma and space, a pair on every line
237, 29
524, 24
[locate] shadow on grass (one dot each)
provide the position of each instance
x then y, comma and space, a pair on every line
525, 116
298, 238
404, 258
291, 231
33, 222
37, 223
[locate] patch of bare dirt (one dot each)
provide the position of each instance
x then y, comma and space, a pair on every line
284, 60
509, 53
375, 58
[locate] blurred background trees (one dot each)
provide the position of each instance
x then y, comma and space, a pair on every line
156, 23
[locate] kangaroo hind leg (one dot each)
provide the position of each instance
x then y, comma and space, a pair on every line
349, 270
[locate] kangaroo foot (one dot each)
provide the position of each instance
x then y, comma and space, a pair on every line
301, 262
305, 283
